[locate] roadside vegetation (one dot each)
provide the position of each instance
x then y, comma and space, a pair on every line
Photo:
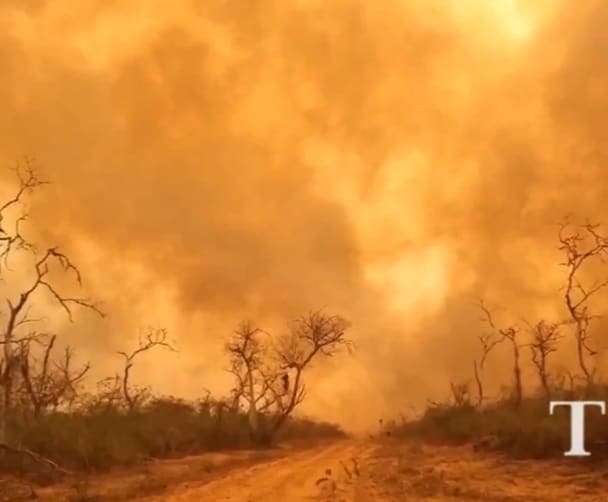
519, 422
48, 421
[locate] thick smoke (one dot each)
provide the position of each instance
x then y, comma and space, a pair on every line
392, 161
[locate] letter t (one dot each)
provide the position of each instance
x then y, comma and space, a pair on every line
577, 424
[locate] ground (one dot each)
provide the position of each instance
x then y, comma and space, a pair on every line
344, 471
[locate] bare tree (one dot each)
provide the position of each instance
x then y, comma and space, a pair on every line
581, 246
545, 337
248, 355
270, 376
134, 396
509, 333
488, 342
314, 334
18, 307
47, 382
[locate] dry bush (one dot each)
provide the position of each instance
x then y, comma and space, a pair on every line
524, 431
101, 438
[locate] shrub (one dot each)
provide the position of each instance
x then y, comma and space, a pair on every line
99, 439
527, 430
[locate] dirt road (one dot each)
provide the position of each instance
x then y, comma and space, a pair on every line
346, 471
398, 471
328, 472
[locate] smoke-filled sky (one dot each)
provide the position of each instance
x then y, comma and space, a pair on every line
390, 161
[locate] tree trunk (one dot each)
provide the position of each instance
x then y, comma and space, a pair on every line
7, 387
517, 374
479, 382
581, 353
2, 424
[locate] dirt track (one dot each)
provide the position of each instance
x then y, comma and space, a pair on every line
397, 471
317, 474
347, 471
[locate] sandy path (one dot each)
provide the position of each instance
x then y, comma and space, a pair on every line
324, 473
400, 471
346, 471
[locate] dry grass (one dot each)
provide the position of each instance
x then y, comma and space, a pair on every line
98, 440
526, 430
458, 473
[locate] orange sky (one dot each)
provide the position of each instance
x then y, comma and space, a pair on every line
391, 161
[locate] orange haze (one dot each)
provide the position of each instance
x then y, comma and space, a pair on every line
392, 161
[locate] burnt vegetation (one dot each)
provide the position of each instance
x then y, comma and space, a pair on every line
518, 420
54, 419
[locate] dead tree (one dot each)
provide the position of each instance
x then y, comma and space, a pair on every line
488, 342
509, 333
260, 366
545, 337
248, 355
134, 396
310, 336
47, 382
18, 307
581, 246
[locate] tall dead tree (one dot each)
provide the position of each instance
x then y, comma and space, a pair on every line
582, 245
488, 341
270, 376
545, 337
134, 396
248, 356
34, 281
510, 334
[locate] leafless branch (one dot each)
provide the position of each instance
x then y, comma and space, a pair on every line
48, 382
499, 334
34, 456
153, 338
545, 337
580, 245
12, 239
